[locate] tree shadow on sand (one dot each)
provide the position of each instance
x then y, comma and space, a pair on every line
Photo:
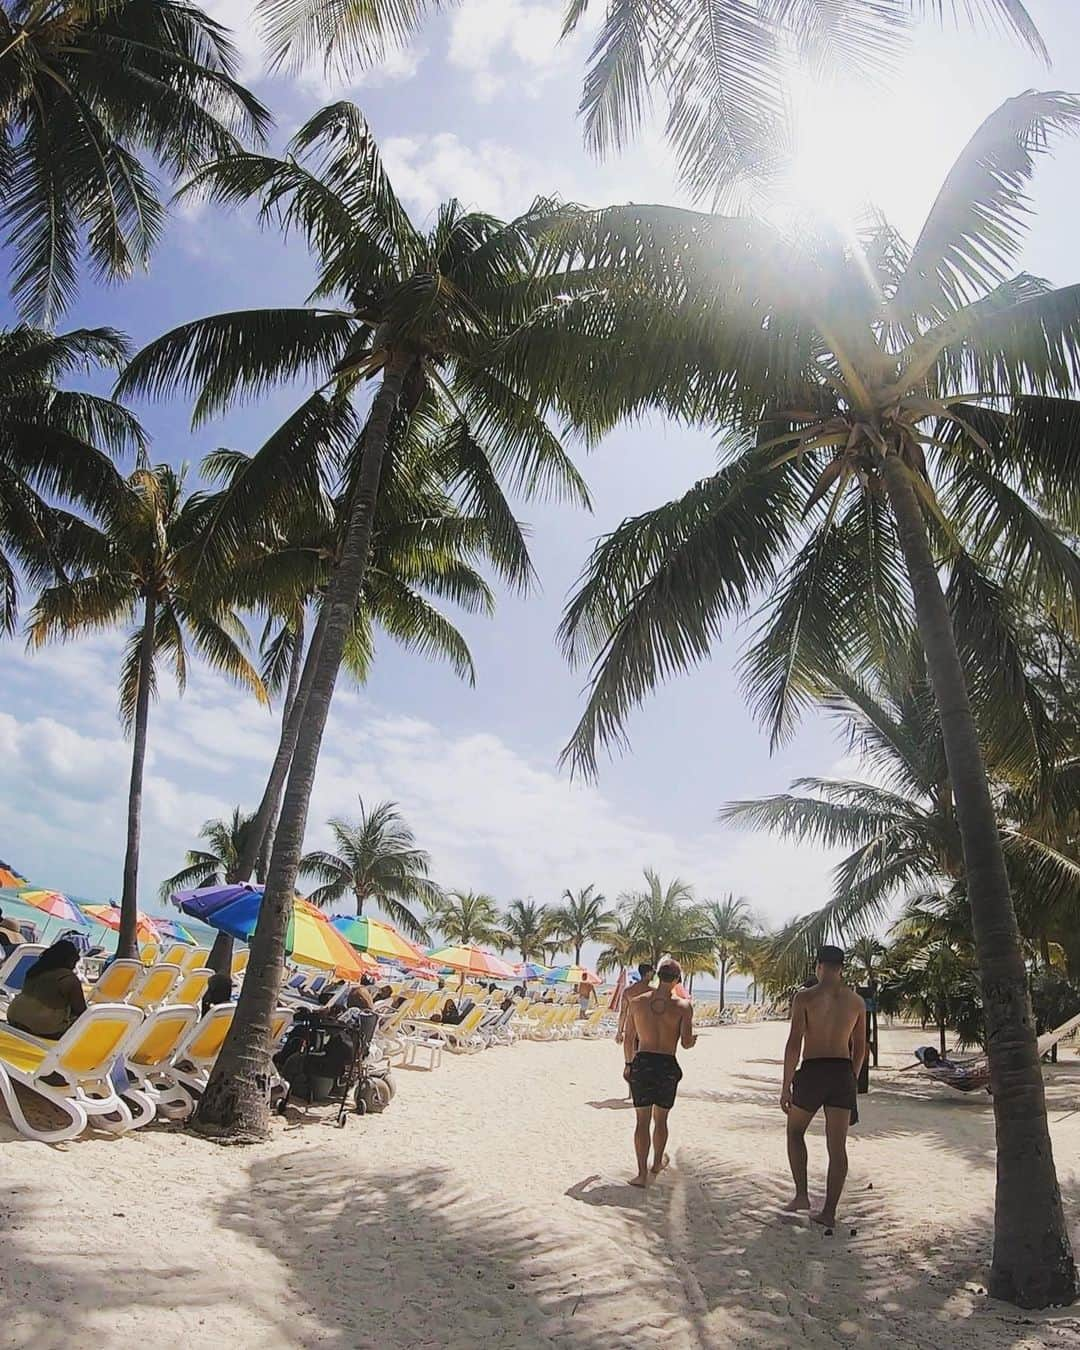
417, 1260
755, 1277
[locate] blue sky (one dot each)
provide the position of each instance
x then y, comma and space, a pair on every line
483, 107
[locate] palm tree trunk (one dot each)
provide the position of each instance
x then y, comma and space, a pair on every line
1032, 1262
723, 976
577, 955
941, 1032
296, 667
269, 806
127, 940
236, 1101
265, 819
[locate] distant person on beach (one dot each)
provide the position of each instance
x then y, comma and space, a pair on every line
586, 995
659, 1023
10, 937
828, 1027
52, 996
645, 971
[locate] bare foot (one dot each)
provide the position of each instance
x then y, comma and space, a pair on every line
657, 1168
824, 1219
800, 1202
642, 1179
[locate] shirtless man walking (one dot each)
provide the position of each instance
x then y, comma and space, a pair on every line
828, 1026
659, 1023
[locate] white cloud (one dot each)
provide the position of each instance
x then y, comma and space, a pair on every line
499, 41
324, 85
426, 170
492, 817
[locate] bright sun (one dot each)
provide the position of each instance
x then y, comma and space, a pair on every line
839, 153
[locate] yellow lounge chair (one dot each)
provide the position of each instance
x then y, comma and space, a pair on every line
194, 958
174, 955
149, 1056
149, 953
240, 961
191, 988
116, 982
154, 987
84, 1057
196, 1053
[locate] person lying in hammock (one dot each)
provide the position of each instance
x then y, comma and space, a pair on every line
965, 1077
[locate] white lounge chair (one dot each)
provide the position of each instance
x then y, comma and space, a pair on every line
84, 1058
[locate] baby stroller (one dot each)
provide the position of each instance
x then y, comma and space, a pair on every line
327, 1058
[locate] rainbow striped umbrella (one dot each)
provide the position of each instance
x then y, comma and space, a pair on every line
55, 905
175, 932
109, 915
377, 939
472, 961
529, 970
311, 940
572, 975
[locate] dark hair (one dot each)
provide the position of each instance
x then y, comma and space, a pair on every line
832, 957
62, 955
645, 968
669, 972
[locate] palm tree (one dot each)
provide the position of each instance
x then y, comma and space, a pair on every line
730, 930
721, 66
467, 919
376, 860
663, 920
893, 413
526, 925
135, 574
88, 89
423, 550
425, 316
621, 945
215, 865
581, 918
902, 828
54, 444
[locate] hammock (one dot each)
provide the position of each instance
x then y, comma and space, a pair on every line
970, 1075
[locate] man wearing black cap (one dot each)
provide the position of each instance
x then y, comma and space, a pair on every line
828, 1028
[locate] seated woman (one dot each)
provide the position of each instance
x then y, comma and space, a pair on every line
51, 997
451, 1014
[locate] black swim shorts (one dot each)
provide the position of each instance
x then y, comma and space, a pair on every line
654, 1079
825, 1082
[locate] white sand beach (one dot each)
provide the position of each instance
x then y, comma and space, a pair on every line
488, 1208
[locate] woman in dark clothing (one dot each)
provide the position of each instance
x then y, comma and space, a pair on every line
52, 996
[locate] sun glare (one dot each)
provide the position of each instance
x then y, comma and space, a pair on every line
838, 134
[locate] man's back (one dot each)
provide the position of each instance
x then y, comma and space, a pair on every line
658, 1021
831, 1013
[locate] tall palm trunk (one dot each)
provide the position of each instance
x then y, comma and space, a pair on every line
723, 978
577, 954
296, 667
236, 1101
1032, 1262
270, 804
127, 941
258, 838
